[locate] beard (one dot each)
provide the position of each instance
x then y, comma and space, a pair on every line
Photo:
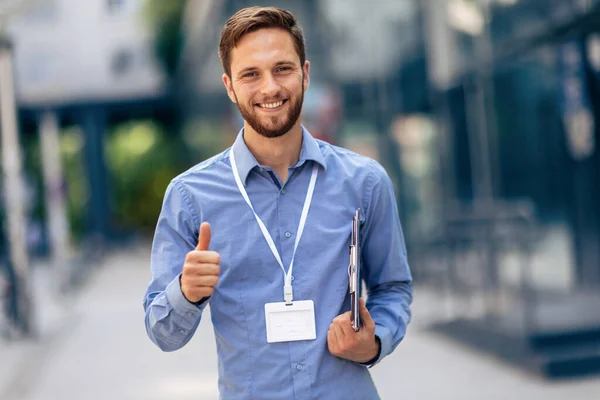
276, 125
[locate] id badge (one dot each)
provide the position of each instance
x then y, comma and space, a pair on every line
288, 323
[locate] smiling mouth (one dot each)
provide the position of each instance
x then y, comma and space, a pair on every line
272, 106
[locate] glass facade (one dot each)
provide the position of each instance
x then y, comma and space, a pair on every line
514, 249
517, 121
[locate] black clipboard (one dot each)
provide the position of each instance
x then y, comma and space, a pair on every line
354, 272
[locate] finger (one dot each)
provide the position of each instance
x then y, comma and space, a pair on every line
347, 316
203, 269
343, 320
204, 236
203, 280
331, 342
335, 339
346, 326
201, 292
203, 256
191, 270
339, 334
365, 316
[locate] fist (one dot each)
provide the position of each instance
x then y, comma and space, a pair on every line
343, 342
201, 269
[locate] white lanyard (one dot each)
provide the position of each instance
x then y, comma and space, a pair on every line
287, 287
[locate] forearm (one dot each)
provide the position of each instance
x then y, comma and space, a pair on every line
170, 319
389, 306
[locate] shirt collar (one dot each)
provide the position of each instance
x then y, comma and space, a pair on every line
245, 159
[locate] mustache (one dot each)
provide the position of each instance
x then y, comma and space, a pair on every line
274, 99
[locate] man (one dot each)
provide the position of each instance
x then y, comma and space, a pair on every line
261, 233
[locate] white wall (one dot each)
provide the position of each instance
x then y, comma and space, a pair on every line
65, 51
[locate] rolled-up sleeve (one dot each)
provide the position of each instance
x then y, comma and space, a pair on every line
170, 318
386, 271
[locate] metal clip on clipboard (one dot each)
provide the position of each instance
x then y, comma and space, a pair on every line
354, 272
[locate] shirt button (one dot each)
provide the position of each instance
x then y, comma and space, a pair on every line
282, 191
299, 367
182, 331
287, 234
292, 277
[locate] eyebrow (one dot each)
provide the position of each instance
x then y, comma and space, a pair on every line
246, 70
252, 69
279, 63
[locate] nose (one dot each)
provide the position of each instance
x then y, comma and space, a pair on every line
269, 85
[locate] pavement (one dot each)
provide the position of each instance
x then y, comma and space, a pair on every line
94, 346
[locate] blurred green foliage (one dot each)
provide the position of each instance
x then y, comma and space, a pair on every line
142, 157
204, 138
164, 18
78, 191
141, 160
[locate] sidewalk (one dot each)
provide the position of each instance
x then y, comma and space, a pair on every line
101, 352
49, 320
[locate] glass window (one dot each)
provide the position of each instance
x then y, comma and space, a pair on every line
44, 12
117, 6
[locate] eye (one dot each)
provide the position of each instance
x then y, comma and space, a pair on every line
284, 69
249, 75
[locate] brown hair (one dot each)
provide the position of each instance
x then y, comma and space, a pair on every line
251, 19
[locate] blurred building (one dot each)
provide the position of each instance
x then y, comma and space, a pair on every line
72, 52
513, 91
89, 63
486, 114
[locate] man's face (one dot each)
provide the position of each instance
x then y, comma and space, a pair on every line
267, 81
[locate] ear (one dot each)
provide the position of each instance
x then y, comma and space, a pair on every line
306, 70
229, 87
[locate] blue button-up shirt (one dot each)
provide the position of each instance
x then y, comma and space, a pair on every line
249, 367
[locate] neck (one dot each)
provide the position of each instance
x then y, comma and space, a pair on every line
278, 153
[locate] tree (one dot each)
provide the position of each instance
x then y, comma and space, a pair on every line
165, 19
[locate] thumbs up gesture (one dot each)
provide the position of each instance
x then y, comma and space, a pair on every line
200, 269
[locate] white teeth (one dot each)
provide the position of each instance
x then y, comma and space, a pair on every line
272, 105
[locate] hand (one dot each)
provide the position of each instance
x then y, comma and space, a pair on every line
200, 269
360, 346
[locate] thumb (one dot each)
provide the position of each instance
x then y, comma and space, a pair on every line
204, 237
365, 316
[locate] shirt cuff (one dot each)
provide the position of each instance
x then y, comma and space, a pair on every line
178, 301
385, 343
